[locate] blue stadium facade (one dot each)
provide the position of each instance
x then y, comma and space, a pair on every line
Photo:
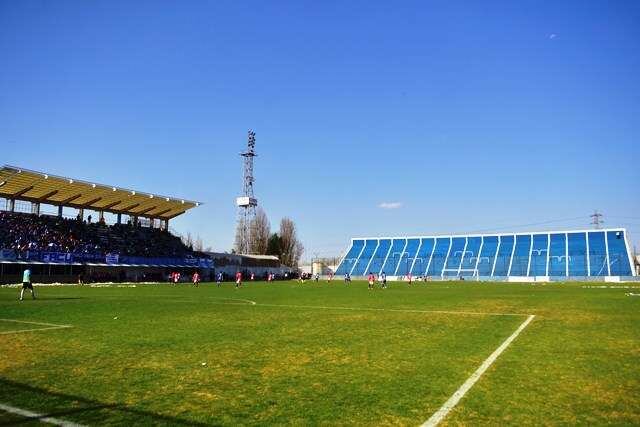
557, 254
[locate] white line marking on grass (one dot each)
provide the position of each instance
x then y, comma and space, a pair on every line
464, 388
191, 301
39, 417
611, 287
34, 323
395, 310
238, 299
47, 326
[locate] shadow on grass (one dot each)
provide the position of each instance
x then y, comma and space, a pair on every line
75, 408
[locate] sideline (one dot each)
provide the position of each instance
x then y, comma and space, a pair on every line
444, 410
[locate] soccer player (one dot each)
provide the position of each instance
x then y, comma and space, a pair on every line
409, 278
372, 280
253, 276
330, 278
238, 279
317, 277
196, 279
347, 278
383, 279
176, 278
26, 284
219, 279
269, 277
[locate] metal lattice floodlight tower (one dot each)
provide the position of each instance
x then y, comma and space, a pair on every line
247, 202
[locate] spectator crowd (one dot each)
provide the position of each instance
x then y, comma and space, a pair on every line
27, 232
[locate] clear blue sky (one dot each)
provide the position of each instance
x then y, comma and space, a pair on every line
471, 115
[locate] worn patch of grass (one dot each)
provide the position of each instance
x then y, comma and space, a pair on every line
135, 355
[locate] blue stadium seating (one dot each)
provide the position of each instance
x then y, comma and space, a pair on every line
580, 253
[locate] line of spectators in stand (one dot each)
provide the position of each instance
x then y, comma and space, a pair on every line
23, 232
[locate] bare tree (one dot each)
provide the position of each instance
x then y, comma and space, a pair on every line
188, 241
292, 248
260, 231
198, 245
238, 247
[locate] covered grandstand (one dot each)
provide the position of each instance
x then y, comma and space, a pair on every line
138, 244
579, 254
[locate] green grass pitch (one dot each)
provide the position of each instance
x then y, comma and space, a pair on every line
320, 354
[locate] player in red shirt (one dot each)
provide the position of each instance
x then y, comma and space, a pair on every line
196, 279
238, 279
410, 278
372, 280
176, 278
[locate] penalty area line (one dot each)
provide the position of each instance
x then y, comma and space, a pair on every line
39, 417
444, 410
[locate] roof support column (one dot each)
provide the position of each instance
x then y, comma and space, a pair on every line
35, 208
60, 211
12, 205
101, 216
81, 214
119, 218
166, 225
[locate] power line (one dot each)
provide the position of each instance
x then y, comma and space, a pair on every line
523, 225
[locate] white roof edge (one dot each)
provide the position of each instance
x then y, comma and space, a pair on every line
489, 234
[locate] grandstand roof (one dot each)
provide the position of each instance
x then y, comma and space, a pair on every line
24, 184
